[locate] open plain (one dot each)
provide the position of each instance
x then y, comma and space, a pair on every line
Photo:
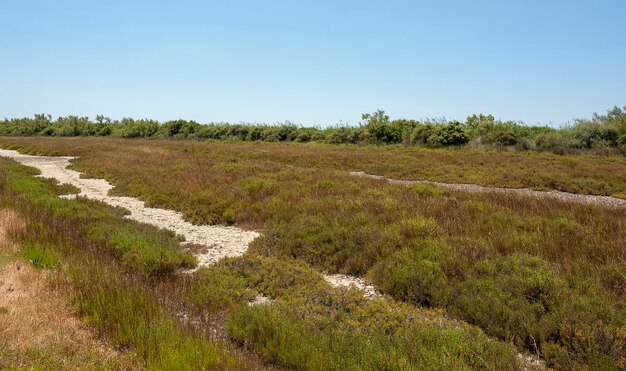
353, 271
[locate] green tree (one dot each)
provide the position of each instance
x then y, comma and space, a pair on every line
380, 129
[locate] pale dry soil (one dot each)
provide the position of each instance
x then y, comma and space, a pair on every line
38, 327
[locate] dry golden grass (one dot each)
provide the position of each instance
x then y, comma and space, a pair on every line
37, 324
9, 224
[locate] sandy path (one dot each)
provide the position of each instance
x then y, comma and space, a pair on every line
220, 241
602, 201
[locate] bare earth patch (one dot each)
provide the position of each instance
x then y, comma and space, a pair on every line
342, 280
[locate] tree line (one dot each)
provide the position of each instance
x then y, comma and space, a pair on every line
600, 134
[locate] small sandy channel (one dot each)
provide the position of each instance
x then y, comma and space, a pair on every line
217, 241
607, 202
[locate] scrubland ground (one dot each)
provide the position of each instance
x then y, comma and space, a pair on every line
470, 279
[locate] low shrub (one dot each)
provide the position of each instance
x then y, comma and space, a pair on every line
134, 319
148, 252
410, 275
257, 187
282, 336
237, 280
511, 298
154, 252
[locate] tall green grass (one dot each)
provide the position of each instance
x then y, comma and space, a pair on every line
133, 317
110, 291
154, 252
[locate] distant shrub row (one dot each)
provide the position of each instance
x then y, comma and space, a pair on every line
600, 133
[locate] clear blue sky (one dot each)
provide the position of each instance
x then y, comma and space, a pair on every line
315, 62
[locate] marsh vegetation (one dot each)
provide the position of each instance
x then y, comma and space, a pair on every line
469, 279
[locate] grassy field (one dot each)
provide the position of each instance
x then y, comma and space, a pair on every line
585, 174
469, 276
114, 294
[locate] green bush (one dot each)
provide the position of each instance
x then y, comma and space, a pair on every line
343, 135
177, 129
448, 134
452, 134
585, 331
520, 298
593, 134
129, 128
257, 187
503, 138
282, 336
600, 134
148, 252
380, 129
511, 298
410, 275
237, 280
218, 288
556, 141
303, 137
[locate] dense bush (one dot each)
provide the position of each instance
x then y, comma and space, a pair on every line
557, 141
452, 134
414, 275
379, 128
130, 128
591, 134
303, 337
511, 298
601, 132
347, 135
436, 135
